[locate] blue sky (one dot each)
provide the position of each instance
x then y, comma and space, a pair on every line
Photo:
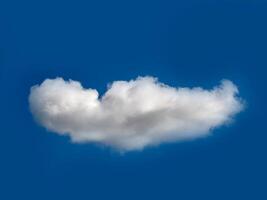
183, 43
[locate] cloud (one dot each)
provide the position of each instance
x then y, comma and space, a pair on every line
132, 114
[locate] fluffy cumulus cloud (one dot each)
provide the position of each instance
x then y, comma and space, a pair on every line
132, 114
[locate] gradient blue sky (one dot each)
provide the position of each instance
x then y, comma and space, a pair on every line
183, 43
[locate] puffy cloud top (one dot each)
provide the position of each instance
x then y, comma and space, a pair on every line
132, 114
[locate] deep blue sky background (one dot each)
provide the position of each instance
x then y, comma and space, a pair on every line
183, 43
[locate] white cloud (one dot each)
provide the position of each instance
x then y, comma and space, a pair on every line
132, 114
